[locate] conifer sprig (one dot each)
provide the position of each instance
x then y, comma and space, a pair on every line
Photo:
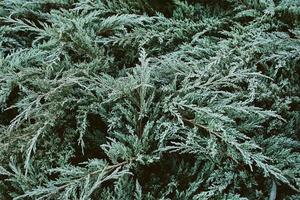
171, 99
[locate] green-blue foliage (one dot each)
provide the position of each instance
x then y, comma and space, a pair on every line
123, 99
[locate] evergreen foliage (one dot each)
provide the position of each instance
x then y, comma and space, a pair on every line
149, 99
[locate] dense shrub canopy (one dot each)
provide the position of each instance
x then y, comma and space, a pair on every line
124, 99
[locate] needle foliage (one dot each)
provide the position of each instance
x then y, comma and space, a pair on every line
149, 99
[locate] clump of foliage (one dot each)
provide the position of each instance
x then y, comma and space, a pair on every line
123, 99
